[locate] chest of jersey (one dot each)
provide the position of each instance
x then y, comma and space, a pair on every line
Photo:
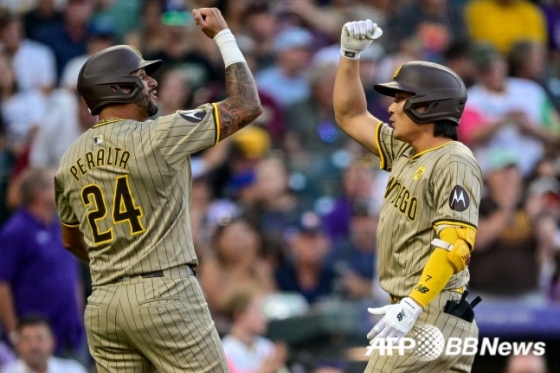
406, 191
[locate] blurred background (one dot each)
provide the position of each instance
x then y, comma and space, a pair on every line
284, 213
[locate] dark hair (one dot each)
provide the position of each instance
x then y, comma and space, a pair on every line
33, 320
33, 180
517, 58
446, 128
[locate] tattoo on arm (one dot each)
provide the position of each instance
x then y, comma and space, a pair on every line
242, 105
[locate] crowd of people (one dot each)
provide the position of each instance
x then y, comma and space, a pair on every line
289, 204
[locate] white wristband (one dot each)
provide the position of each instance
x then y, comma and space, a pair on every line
228, 47
351, 55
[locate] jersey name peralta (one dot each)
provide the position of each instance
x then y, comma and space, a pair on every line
440, 186
127, 186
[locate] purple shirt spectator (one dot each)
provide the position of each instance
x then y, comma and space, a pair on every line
43, 276
552, 15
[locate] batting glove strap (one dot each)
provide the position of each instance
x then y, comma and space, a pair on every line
398, 319
355, 37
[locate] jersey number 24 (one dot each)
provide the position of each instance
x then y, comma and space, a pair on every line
124, 209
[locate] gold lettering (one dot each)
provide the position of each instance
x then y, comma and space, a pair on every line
124, 159
89, 159
81, 166
412, 208
74, 171
404, 202
100, 157
117, 150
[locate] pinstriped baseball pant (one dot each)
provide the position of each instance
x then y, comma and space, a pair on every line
142, 324
449, 325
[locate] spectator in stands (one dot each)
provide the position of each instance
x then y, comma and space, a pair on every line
37, 275
305, 271
45, 14
529, 363
504, 22
236, 261
277, 207
246, 349
285, 80
315, 136
527, 60
507, 243
358, 183
261, 25
68, 117
68, 40
354, 257
34, 63
148, 37
23, 112
174, 92
515, 113
458, 58
429, 24
35, 344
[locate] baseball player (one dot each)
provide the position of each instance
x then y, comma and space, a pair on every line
429, 216
123, 196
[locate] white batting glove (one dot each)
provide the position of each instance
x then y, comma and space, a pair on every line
398, 320
356, 36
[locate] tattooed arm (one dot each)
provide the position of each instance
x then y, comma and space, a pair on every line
242, 104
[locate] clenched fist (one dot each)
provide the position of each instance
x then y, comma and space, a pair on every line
210, 21
356, 36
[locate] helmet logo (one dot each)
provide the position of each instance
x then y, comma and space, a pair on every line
397, 71
137, 51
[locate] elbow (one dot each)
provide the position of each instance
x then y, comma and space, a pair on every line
253, 111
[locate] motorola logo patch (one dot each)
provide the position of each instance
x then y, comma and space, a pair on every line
459, 199
193, 116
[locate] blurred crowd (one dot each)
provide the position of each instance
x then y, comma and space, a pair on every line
289, 204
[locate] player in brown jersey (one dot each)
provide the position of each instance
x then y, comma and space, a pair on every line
123, 195
429, 216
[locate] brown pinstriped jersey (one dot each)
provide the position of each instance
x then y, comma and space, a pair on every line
126, 184
440, 186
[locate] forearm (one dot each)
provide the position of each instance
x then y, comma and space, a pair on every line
73, 241
7, 309
435, 276
79, 251
349, 99
485, 132
242, 104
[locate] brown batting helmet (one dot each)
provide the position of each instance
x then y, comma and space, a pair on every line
105, 74
435, 87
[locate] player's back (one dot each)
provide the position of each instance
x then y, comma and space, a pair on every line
128, 188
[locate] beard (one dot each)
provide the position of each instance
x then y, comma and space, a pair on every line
143, 101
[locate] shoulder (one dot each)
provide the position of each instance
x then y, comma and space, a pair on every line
457, 152
15, 225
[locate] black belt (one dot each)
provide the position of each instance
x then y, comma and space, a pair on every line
159, 273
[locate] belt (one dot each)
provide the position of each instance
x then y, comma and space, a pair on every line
396, 299
161, 273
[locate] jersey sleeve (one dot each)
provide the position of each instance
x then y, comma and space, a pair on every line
65, 211
454, 194
389, 147
186, 132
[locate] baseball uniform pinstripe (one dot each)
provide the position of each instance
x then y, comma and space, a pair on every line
436, 187
126, 184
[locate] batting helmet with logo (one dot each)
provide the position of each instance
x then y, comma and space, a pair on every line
105, 74
435, 87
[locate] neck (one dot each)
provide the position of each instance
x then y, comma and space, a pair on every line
42, 368
125, 111
427, 141
42, 213
246, 337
